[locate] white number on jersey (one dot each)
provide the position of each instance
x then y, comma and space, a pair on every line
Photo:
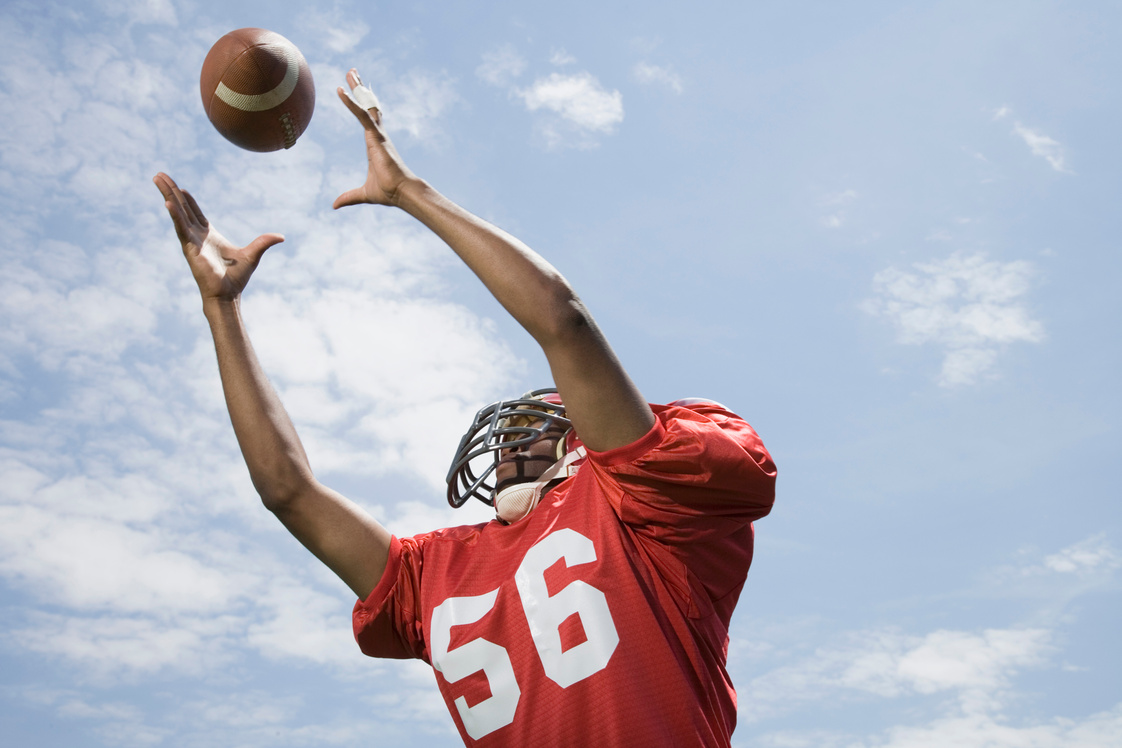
478, 654
544, 614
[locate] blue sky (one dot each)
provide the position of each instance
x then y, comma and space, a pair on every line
883, 232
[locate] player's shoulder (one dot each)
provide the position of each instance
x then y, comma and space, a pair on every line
701, 419
453, 534
702, 413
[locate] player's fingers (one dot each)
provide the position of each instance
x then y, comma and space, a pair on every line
350, 197
196, 212
164, 184
257, 247
170, 191
175, 198
177, 222
366, 118
362, 94
167, 189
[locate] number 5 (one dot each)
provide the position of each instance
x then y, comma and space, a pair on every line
478, 654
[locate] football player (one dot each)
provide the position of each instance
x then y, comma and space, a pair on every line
594, 609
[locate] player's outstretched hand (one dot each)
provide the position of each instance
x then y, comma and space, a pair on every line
221, 269
386, 173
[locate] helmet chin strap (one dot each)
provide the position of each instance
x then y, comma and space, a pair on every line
515, 503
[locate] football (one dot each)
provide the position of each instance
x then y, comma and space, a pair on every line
257, 89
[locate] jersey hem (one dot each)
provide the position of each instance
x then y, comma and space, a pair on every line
377, 597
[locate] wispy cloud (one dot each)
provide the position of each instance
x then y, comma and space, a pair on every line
574, 108
959, 685
583, 108
966, 304
837, 202
1039, 144
501, 66
416, 102
975, 667
337, 29
1042, 145
561, 58
649, 74
1054, 581
578, 98
1091, 555
142, 11
1099, 730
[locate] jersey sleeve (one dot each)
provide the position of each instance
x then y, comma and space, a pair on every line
699, 471
388, 623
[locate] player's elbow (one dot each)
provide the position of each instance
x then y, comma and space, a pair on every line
279, 493
566, 319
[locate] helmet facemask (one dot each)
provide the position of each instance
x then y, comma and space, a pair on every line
497, 428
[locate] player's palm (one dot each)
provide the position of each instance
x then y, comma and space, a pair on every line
221, 269
386, 173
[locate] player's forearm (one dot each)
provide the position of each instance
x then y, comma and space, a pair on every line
527, 286
604, 405
278, 465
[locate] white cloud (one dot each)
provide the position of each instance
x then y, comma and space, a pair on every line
964, 366
561, 58
142, 11
968, 305
838, 201
1100, 730
976, 668
578, 98
501, 67
649, 74
582, 108
337, 29
112, 647
574, 108
948, 660
1043, 146
296, 622
86, 562
1053, 581
416, 102
990, 731
833, 221
1090, 555
251, 718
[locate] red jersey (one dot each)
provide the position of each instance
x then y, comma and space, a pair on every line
602, 618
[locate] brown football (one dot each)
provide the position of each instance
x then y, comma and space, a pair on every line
257, 89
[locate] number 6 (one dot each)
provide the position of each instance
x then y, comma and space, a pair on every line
545, 614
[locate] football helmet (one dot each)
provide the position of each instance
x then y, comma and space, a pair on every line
504, 425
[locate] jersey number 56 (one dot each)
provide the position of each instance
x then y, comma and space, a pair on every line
544, 614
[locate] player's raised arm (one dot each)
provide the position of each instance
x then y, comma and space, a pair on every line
338, 532
606, 408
